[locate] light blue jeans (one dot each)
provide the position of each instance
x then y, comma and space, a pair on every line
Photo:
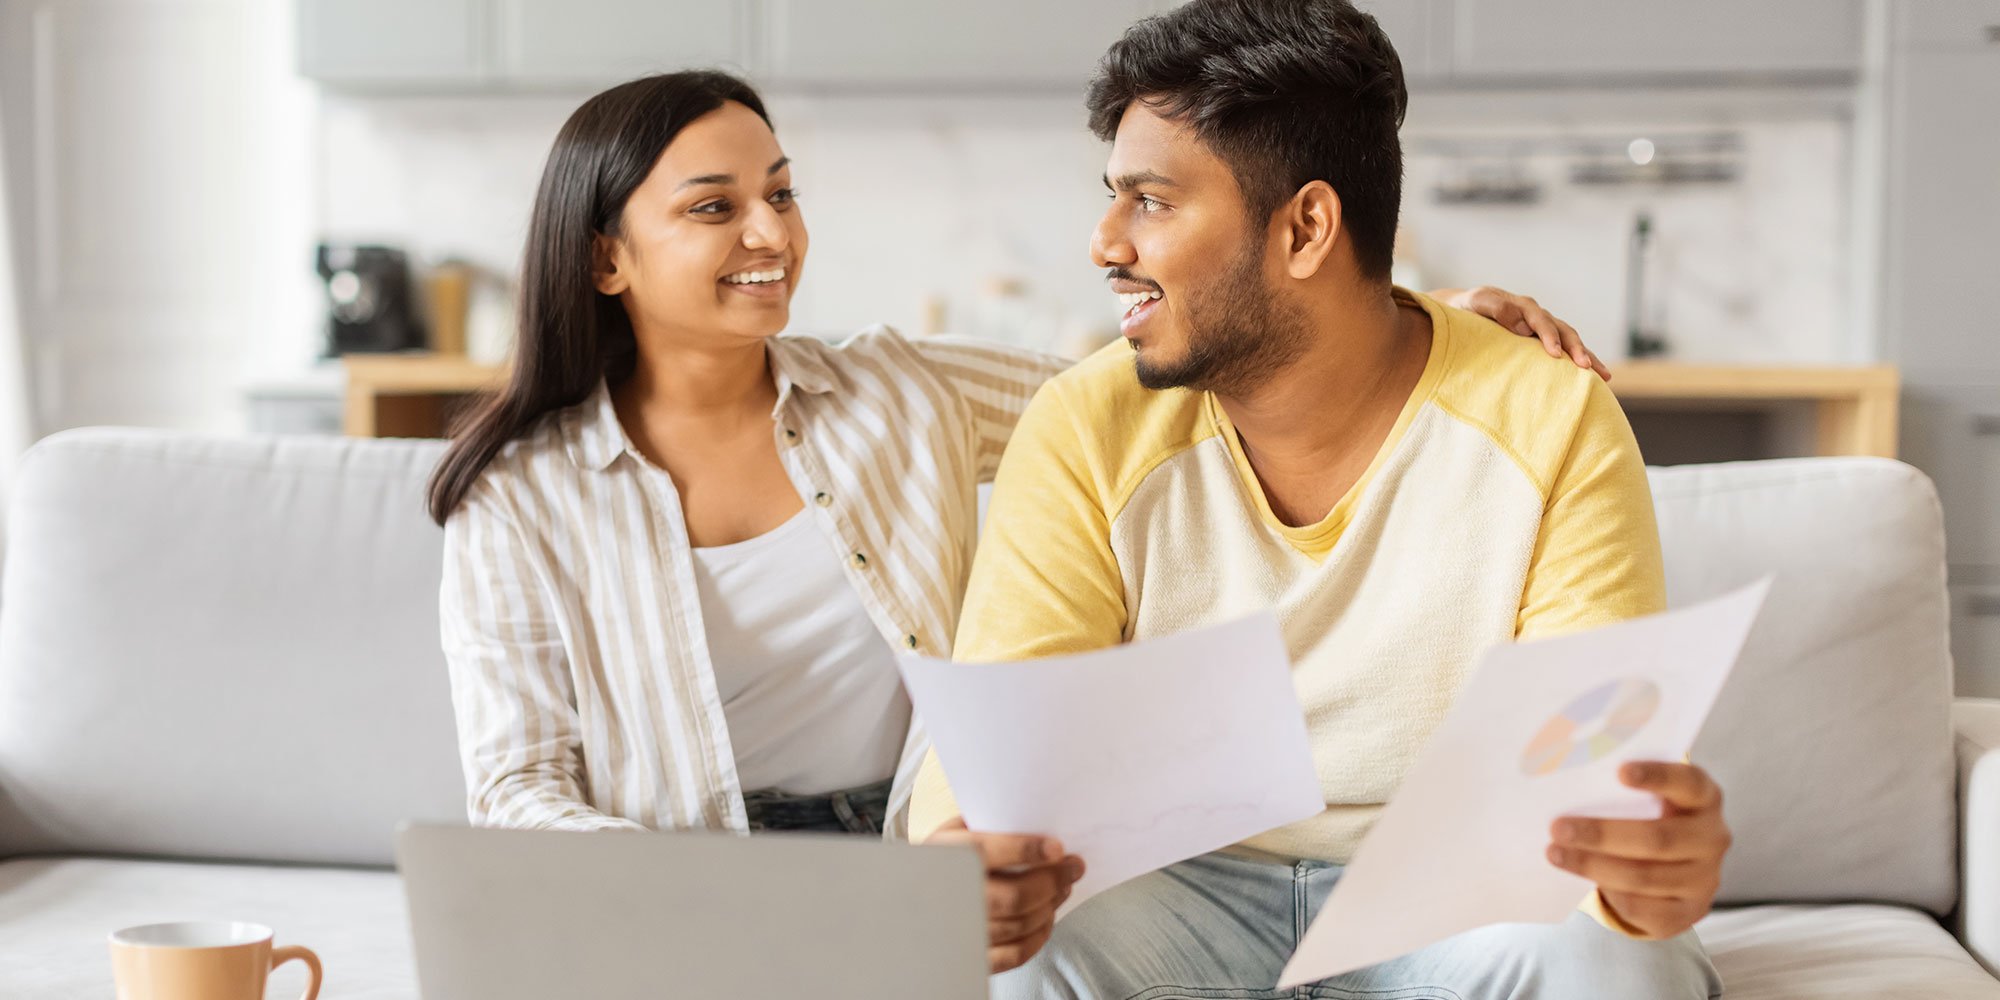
1222, 926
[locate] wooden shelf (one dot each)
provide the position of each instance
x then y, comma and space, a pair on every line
1854, 410
409, 395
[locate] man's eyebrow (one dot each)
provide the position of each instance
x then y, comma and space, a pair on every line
1127, 182
731, 178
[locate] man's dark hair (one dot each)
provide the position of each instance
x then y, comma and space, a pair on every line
1284, 91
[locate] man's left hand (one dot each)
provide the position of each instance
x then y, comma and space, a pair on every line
1661, 875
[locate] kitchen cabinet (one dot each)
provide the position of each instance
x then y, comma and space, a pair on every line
1943, 201
872, 43
1940, 177
1952, 431
1949, 24
1416, 29
602, 42
1557, 39
1975, 636
393, 43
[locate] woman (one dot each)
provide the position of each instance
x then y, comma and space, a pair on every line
680, 550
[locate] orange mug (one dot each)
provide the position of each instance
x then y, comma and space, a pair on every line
201, 961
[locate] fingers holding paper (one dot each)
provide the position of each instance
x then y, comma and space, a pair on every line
1660, 876
1028, 878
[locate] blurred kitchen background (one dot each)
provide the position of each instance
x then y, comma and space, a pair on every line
1775, 217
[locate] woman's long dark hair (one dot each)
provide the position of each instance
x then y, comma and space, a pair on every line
570, 335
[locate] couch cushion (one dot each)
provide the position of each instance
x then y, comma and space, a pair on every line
222, 648
1832, 741
1833, 952
56, 914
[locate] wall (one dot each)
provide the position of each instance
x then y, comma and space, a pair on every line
910, 199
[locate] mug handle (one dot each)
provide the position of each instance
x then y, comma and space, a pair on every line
280, 956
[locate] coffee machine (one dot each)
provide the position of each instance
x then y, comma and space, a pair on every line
371, 300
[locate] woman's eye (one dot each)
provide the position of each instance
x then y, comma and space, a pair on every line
784, 196
716, 207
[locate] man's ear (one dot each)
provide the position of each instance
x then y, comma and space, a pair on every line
604, 270
1312, 225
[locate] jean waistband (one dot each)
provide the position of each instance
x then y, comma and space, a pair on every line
854, 810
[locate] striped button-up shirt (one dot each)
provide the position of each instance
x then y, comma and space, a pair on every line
580, 673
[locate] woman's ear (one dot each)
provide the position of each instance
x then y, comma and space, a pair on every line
1313, 220
605, 273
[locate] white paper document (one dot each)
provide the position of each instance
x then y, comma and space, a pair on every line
1135, 757
1538, 732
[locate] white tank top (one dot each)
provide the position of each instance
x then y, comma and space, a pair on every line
809, 687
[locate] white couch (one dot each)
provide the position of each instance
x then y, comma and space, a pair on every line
220, 689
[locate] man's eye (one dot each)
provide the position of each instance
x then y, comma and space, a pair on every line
1148, 203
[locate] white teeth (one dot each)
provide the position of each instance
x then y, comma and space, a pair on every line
1131, 300
756, 277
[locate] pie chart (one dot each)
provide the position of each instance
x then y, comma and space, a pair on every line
1591, 727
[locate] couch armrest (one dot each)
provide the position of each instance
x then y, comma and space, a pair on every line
1977, 722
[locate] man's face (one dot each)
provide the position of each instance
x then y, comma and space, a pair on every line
1199, 277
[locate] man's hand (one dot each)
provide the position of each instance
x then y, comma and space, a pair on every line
1526, 317
1660, 876
1027, 878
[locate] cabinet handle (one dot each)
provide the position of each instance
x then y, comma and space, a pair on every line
1983, 605
1986, 425
1993, 34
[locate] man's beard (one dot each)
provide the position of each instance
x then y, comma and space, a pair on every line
1239, 333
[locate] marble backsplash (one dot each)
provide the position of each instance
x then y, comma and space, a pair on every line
977, 214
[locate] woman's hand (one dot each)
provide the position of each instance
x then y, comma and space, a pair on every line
1027, 879
1526, 317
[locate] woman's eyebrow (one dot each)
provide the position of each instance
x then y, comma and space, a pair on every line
731, 178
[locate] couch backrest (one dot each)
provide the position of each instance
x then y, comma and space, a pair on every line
222, 648
228, 648
1832, 740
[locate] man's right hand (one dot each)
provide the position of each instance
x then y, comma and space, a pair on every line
1027, 878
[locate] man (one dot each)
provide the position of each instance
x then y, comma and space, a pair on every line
1405, 484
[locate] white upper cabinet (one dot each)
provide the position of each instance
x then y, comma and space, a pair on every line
869, 43
1414, 29
1556, 39
921, 45
414, 43
553, 42
1949, 24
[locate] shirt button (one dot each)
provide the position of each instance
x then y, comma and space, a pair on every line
910, 641
860, 561
823, 498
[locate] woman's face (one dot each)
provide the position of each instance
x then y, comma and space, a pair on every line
711, 242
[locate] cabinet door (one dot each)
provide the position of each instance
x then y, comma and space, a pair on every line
1949, 24
1042, 44
1952, 432
1943, 209
391, 41
607, 41
1568, 38
1414, 29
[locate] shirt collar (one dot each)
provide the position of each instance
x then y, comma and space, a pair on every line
798, 363
596, 438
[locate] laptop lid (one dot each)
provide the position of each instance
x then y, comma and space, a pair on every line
529, 915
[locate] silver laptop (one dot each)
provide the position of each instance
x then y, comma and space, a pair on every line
529, 915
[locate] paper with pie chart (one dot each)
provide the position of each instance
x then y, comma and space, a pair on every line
1538, 732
